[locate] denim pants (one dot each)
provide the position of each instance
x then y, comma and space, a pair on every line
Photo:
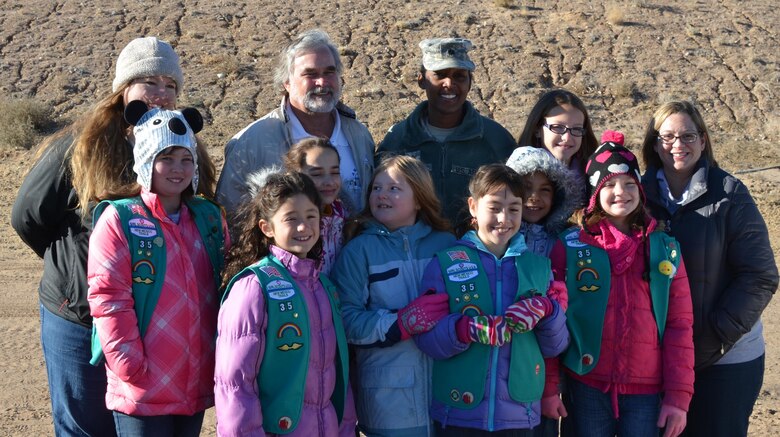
723, 399
457, 431
76, 388
171, 425
594, 416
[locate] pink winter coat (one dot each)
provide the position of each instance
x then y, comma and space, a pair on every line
632, 360
170, 371
332, 233
241, 346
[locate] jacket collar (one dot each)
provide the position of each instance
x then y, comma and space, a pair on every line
299, 268
516, 245
471, 127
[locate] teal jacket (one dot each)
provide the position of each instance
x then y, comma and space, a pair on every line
477, 141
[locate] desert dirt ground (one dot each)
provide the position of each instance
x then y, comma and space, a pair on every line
621, 58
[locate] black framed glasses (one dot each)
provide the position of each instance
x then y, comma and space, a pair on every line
561, 129
686, 138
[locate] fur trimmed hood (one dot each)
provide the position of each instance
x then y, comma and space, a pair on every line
569, 191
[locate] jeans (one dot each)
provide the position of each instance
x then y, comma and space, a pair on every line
456, 431
76, 388
594, 417
723, 399
171, 425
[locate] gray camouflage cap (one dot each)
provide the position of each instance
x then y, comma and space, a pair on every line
443, 53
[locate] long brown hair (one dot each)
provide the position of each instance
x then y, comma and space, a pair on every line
419, 178
101, 159
650, 156
549, 101
252, 244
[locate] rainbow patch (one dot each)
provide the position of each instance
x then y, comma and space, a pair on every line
142, 263
471, 307
587, 270
289, 327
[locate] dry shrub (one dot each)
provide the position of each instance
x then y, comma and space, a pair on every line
223, 63
623, 89
409, 24
23, 122
615, 15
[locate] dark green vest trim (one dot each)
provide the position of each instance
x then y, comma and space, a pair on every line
148, 254
588, 277
281, 380
469, 291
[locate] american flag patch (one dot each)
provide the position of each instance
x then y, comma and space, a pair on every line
458, 255
271, 271
138, 210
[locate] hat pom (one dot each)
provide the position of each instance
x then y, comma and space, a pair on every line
613, 136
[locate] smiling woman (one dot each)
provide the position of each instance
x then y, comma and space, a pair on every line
81, 165
732, 273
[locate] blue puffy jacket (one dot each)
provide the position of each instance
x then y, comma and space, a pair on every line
378, 273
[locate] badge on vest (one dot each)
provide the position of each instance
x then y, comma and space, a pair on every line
667, 267
271, 271
462, 272
573, 239
142, 227
295, 333
586, 271
280, 290
139, 276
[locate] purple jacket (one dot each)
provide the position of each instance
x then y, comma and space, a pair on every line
497, 411
241, 345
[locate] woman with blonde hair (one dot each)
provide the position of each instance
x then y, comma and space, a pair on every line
87, 162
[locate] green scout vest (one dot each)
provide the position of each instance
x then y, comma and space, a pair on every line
148, 253
588, 281
459, 381
282, 377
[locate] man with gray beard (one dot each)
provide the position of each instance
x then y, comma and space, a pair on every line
309, 75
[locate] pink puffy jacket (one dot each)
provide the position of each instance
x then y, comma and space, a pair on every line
171, 370
240, 350
632, 360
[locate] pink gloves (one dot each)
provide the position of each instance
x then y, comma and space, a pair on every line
489, 330
422, 313
559, 293
523, 315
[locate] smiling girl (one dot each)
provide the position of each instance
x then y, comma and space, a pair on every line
489, 370
319, 159
281, 354
153, 270
559, 123
630, 316
378, 275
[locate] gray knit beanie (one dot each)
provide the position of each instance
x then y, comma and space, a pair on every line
144, 57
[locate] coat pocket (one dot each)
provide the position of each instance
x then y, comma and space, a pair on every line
391, 389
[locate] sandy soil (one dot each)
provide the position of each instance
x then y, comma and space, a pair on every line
622, 60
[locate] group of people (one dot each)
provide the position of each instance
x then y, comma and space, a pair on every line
449, 281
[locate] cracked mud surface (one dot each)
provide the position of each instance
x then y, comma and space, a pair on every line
722, 54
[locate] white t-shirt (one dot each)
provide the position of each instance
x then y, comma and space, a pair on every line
350, 179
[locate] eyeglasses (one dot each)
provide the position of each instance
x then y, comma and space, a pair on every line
686, 138
561, 129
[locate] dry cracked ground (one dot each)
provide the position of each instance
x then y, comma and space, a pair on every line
621, 58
